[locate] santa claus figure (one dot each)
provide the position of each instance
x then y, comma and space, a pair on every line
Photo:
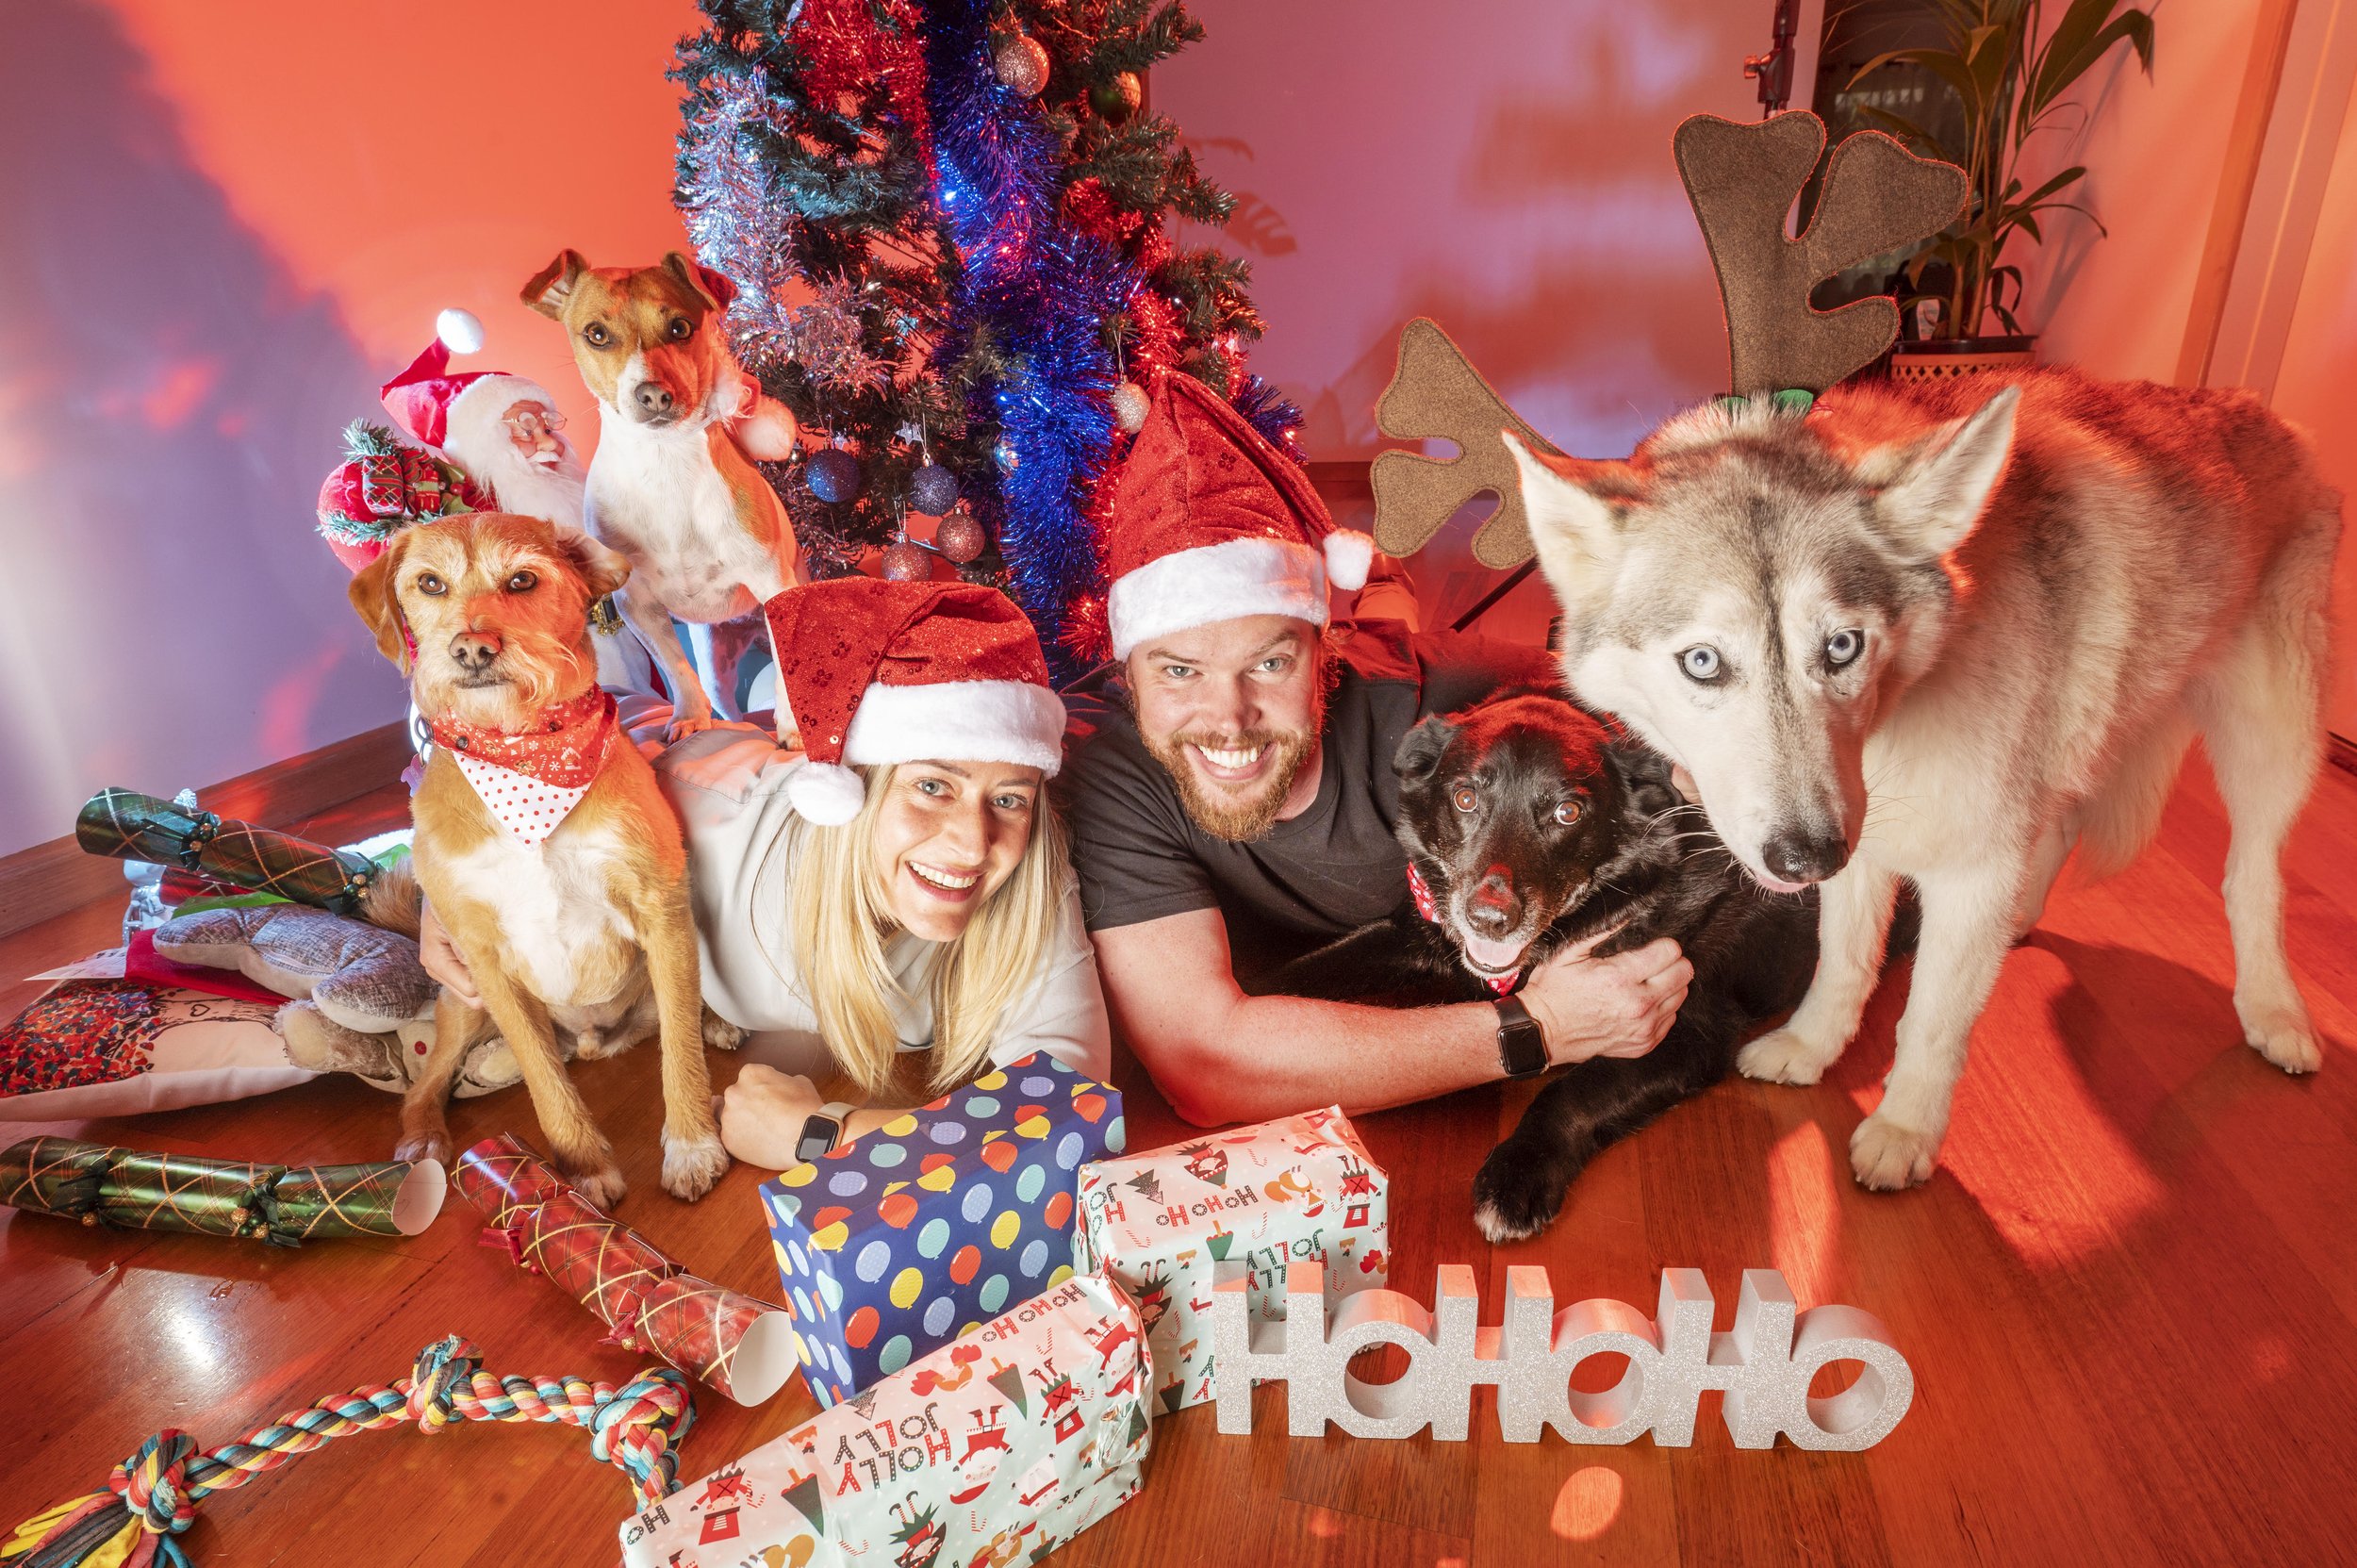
504, 436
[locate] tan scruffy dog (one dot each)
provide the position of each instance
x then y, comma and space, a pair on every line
543, 843
673, 486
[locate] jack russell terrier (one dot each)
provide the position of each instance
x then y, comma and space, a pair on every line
673, 486
543, 842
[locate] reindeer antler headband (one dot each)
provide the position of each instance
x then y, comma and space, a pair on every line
1741, 180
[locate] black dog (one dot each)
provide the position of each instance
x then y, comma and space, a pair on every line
1531, 828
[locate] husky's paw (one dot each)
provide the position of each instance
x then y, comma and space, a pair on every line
425, 1146
1781, 1056
1515, 1196
1885, 1156
2283, 1034
719, 1034
603, 1185
691, 1165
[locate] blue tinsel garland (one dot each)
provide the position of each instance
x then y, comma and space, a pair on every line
1042, 291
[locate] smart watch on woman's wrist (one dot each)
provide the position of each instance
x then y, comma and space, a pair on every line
1522, 1044
822, 1130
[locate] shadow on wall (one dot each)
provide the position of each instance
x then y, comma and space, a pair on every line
169, 403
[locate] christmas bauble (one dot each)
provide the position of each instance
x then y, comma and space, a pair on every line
1003, 453
907, 563
932, 489
833, 476
1130, 407
1118, 99
960, 537
1022, 65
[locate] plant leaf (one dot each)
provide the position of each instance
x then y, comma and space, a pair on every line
2059, 71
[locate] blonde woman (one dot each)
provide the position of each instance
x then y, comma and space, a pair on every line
891, 903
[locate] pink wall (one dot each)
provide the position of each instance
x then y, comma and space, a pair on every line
226, 222
1502, 166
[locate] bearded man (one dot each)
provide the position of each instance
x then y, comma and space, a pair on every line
1229, 788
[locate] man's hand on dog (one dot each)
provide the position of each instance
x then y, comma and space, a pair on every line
440, 956
1617, 1006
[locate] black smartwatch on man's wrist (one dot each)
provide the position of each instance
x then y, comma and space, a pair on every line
821, 1132
1522, 1044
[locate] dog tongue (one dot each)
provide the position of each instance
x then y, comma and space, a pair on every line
1493, 955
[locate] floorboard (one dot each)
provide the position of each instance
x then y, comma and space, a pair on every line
2129, 1295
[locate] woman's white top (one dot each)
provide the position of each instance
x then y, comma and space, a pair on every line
729, 787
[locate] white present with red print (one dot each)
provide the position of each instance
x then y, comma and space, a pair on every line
1163, 1223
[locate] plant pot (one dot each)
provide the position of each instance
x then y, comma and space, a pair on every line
1945, 359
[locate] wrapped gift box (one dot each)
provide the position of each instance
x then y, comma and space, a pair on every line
907, 1237
995, 1449
1264, 1197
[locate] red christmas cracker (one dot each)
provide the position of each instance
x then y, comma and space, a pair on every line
740, 1345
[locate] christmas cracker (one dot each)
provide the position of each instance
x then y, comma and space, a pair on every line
740, 1345
128, 1189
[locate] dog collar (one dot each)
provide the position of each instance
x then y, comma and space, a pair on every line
532, 779
1421, 891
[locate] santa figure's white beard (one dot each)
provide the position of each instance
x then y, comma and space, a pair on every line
522, 486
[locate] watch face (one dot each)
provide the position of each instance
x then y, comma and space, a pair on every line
819, 1135
1524, 1045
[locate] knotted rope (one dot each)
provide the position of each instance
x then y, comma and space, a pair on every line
152, 1496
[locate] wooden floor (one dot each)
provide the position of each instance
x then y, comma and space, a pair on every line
2128, 1297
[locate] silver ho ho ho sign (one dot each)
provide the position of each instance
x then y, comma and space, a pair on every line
1762, 1369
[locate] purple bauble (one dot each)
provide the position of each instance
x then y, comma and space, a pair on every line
833, 476
932, 489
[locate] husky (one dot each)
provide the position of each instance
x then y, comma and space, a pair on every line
1529, 828
1948, 633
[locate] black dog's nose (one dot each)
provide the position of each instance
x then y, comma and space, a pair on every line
475, 650
1492, 909
653, 399
1799, 857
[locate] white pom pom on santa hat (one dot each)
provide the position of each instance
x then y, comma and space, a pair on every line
827, 793
1349, 555
461, 330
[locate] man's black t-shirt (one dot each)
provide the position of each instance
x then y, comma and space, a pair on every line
1333, 869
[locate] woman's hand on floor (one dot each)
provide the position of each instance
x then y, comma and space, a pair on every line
762, 1115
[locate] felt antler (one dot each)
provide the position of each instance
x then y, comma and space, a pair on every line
1435, 392
1877, 197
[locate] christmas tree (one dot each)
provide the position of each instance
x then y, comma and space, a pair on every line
945, 223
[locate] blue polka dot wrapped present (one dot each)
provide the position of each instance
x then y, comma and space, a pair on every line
903, 1240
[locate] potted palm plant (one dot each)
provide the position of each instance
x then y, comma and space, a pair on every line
2010, 77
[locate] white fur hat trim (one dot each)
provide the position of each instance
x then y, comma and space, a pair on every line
1348, 555
827, 793
1227, 581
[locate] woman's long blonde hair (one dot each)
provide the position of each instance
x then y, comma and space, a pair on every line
837, 918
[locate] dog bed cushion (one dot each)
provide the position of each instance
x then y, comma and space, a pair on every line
116, 1047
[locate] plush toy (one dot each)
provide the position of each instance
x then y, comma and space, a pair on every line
360, 1001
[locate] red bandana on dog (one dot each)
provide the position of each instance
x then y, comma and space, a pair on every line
532, 778
1425, 907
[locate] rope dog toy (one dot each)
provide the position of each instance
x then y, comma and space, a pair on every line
151, 1498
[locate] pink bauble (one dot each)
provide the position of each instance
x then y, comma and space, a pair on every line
960, 539
1022, 65
1130, 405
907, 563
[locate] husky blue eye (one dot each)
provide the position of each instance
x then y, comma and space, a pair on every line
1700, 662
1844, 646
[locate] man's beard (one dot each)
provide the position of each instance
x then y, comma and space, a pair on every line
1214, 809
551, 493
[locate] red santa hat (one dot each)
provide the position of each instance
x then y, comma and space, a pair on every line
1210, 523
455, 413
875, 672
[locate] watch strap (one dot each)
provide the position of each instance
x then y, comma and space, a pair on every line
1522, 1044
